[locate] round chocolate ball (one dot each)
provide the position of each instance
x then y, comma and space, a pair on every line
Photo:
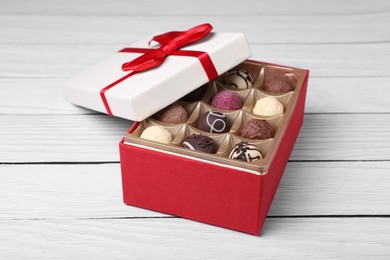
172, 114
200, 143
246, 152
268, 106
257, 129
238, 79
227, 100
195, 95
157, 134
279, 84
213, 122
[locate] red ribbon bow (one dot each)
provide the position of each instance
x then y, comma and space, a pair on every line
169, 43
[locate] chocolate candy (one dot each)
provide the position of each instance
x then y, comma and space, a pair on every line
157, 134
280, 84
200, 143
257, 129
227, 100
244, 151
268, 106
213, 122
172, 114
229, 119
238, 79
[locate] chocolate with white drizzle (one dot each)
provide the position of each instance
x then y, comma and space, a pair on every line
213, 122
245, 152
238, 79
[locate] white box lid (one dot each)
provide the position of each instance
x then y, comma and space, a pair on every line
145, 93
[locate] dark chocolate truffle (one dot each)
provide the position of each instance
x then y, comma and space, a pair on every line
227, 100
172, 114
238, 79
200, 143
257, 129
195, 95
279, 84
213, 122
246, 152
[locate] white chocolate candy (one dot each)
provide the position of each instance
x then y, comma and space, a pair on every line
238, 79
268, 106
157, 134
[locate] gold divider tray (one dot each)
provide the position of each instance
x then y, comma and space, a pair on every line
236, 119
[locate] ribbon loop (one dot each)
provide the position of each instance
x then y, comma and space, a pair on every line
169, 43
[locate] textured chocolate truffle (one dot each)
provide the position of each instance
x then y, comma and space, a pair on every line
238, 79
213, 122
157, 134
257, 129
227, 100
245, 152
279, 84
200, 143
268, 106
172, 114
195, 95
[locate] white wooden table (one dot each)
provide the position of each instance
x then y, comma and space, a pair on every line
60, 187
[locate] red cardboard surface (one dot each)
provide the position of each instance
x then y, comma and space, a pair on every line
206, 192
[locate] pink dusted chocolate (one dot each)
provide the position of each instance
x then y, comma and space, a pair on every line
227, 100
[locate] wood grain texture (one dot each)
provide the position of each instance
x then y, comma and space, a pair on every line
36, 138
60, 192
182, 239
334, 61
94, 138
63, 191
111, 29
324, 95
194, 8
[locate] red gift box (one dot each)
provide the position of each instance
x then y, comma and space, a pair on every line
166, 177
205, 191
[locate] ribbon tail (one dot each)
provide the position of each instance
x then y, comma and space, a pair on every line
103, 91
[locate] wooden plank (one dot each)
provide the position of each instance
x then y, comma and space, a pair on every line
344, 137
339, 238
47, 61
333, 188
44, 96
36, 96
64, 191
260, 29
94, 138
339, 166
206, 8
61, 138
347, 95
94, 191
